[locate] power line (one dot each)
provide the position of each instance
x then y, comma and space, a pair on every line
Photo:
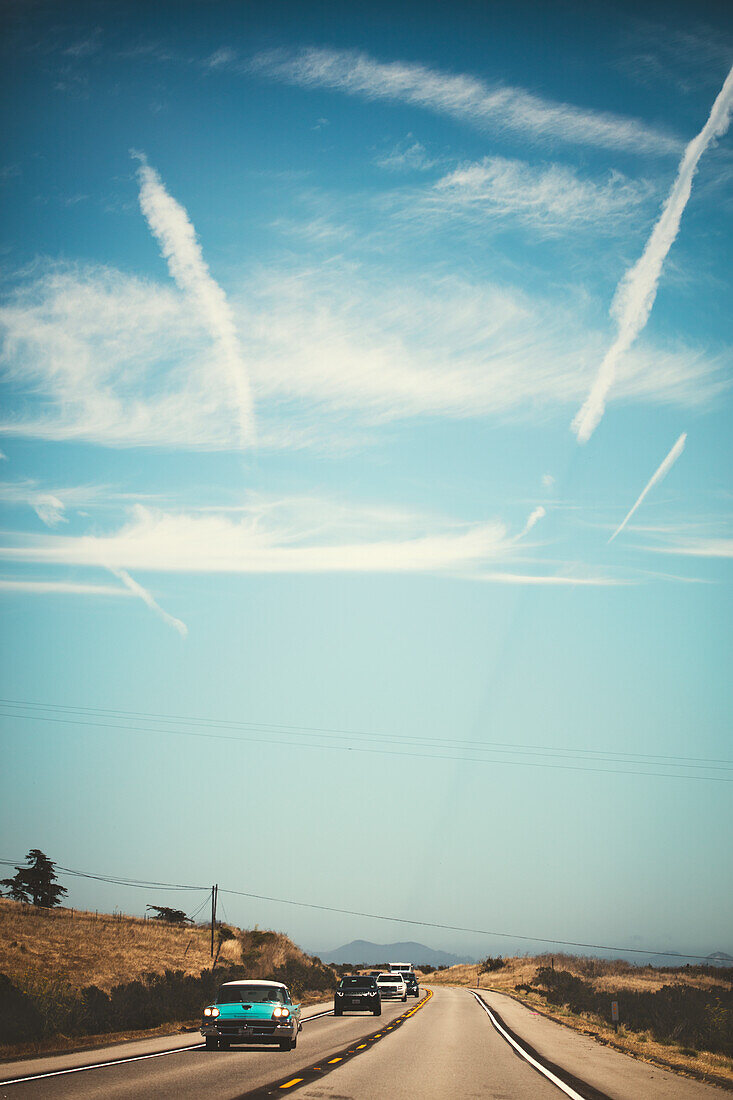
631, 770
371, 736
380, 916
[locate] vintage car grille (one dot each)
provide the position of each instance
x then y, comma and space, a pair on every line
254, 1027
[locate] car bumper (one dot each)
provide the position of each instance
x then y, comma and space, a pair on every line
253, 1032
365, 1004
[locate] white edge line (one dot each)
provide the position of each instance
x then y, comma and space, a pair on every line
527, 1057
122, 1061
97, 1065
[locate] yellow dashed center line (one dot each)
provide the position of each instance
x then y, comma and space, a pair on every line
334, 1060
289, 1084
361, 1047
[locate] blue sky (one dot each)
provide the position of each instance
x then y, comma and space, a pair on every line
339, 344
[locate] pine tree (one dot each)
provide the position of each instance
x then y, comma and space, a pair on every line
36, 882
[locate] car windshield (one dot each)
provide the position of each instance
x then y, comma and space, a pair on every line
357, 983
389, 978
249, 994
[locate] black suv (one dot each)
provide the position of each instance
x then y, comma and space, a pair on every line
357, 993
410, 980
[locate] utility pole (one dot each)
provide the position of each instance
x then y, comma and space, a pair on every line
214, 892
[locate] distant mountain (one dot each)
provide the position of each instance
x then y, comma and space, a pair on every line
374, 954
720, 958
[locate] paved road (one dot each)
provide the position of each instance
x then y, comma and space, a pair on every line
446, 1049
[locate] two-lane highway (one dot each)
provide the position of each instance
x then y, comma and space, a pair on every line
446, 1048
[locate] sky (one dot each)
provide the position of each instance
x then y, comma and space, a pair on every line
366, 465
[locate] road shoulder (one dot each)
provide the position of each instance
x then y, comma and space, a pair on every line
617, 1075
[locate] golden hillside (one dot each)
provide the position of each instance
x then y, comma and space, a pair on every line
79, 948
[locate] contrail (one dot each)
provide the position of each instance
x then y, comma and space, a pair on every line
138, 590
665, 467
170, 225
533, 518
635, 294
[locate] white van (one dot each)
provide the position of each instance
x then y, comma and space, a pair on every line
400, 968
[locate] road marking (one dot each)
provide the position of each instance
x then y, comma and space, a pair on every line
313, 1073
289, 1084
98, 1065
122, 1061
525, 1054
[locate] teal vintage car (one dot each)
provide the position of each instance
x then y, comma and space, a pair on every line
251, 1012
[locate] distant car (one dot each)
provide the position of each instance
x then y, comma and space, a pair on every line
413, 989
392, 985
401, 968
357, 993
251, 1012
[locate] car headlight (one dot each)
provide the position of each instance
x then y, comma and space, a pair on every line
280, 1013
211, 1011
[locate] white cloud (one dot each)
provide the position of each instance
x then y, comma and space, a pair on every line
534, 517
92, 354
49, 509
698, 547
492, 107
562, 580
147, 598
221, 58
171, 226
276, 538
635, 294
407, 156
656, 477
442, 347
548, 481
110, 358
550, 198
64, 588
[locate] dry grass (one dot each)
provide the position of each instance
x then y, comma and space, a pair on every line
81, 948
606, 975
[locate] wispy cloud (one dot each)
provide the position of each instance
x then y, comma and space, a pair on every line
407, 156
656, 477
216, 544
495, 107
93, 354
636, 292
301, 535
63, 588
533, 518
697, 547
566, 580
171, 226
143, 594
98, 355
551, 198
49, 509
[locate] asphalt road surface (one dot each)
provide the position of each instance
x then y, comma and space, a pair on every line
444, 1048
